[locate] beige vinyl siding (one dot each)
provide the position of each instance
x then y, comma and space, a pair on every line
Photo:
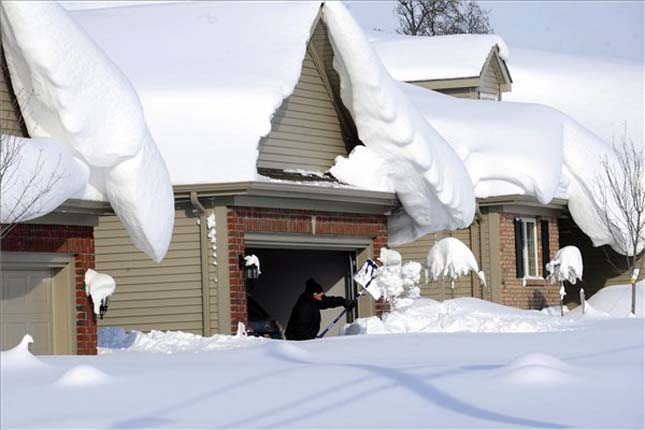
462, 93
418, 251
10, 121
149, 295
307, 132
490, 81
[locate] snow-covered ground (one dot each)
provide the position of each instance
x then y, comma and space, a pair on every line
573, 372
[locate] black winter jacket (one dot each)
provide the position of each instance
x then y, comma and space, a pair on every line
304, 322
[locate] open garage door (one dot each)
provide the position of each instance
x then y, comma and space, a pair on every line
284, 272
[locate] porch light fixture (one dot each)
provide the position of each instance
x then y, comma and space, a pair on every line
250, 265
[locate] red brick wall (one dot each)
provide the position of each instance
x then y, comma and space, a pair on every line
241, 220
536, 294
78, 240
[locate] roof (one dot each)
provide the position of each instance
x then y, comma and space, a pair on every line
425, 58
209, 85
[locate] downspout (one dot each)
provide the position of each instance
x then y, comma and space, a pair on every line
479, 217
203, 252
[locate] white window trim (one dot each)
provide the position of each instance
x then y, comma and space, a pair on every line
525, 249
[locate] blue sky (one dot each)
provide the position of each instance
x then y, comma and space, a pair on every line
590, 28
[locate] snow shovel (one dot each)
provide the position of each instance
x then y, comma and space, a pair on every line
367, 269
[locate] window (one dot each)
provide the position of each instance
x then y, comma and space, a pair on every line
526, 248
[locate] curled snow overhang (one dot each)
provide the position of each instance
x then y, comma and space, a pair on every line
525, 149
78, 97
428, 176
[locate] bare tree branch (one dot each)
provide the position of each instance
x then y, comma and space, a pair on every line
620, 190
439, 17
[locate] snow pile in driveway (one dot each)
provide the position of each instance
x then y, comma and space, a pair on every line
429, 178
73, 93
422, 58
115, 339
457, 315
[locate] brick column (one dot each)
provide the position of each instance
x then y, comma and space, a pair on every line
241, 220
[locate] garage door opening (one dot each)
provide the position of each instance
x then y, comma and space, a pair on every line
284, 272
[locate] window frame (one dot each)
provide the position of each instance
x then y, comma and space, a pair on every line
525, 248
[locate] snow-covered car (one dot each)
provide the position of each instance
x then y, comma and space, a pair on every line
261, 323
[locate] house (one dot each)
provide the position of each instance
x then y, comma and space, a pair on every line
251, 120
275, 203
43, 262
458, 65
513, 236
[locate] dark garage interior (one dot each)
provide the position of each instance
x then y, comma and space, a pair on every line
283, 276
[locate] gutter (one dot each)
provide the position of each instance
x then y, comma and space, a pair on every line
203, 253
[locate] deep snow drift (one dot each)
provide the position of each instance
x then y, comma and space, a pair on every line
75, 94
616, 301
429, 380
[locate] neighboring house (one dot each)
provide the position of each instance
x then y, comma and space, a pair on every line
43, 262
513, 236
456, 65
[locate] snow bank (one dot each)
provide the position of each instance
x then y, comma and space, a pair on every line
600, 94
43, 172
616, 300
457, 315
431, 182
566, 265
423, 58
536, 368
115, 339
209, 86
100, 287
450, 259
19, 357
81, 376
80, 98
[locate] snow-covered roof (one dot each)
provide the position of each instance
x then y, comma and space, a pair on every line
209, 75
424, 58
603, 95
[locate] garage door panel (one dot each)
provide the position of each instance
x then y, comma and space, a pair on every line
26, 306
26, 292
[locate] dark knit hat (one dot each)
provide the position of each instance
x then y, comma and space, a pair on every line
313, 287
